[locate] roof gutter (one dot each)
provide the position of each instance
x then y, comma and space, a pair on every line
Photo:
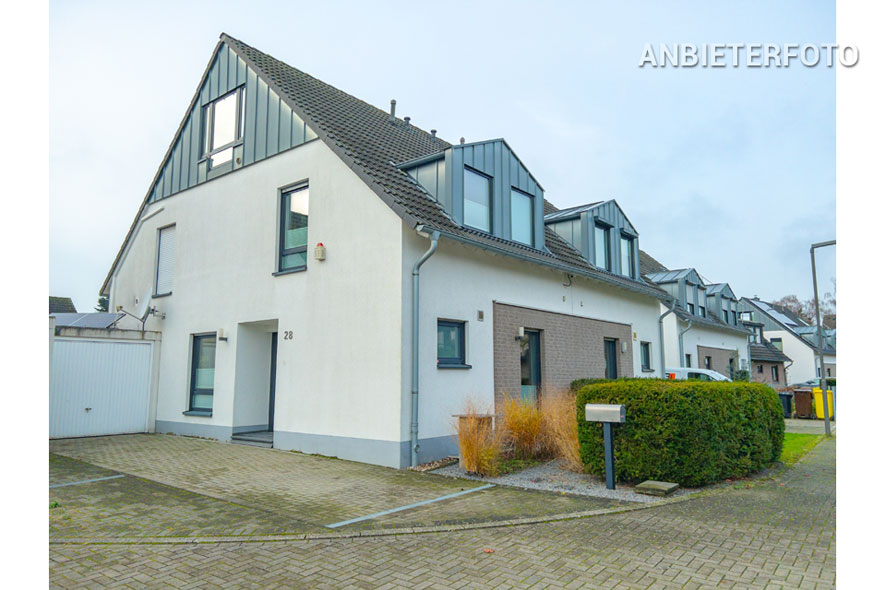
680, 338
555, 265
416, 269
661, 340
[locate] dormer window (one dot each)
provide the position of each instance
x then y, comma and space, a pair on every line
602, 257
627, 256
223, 121
478, 200
522, 226
726, 314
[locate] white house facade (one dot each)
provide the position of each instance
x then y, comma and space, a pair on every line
278, 251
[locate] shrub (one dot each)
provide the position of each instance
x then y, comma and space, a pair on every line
559, 428
832, 381
689, 432
478, 444
522, 422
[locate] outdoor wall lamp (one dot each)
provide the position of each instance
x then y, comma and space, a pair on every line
220, 335
521, 333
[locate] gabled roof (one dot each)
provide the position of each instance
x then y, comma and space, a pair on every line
722, 288
669, 276
709, 321
365, 139
569, 212
791, 322
61, 305
767, 352
649, 265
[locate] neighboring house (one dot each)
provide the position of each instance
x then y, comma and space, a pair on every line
792, 335
61, 305
703, 331
768, 364
279, 252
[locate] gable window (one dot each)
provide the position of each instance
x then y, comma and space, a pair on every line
294, 229
165, 261
223, 121
451, 344
691, 308
478, 200
602, 257
775, 373
734, 318
646, 356
627, 256
521, 218
202, 373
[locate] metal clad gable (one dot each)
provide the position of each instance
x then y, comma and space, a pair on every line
270, 126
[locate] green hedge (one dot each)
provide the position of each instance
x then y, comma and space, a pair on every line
689, 432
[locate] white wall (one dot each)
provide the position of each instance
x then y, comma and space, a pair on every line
697, 336
341, 370
804, 362
460, 280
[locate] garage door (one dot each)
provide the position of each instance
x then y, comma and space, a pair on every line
99, 387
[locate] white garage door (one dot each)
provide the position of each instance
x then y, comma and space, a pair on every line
99, 387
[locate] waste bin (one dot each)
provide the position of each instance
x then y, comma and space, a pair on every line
819, 406
785, 397
803, 403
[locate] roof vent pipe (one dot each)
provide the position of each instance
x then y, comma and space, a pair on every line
406, 120
393, 112
461, 141
434, 135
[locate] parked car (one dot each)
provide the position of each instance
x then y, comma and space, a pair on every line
700, 374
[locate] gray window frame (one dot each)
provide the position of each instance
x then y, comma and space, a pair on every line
458, 362
489, 198
774, 370
632, 271
195, 340
531, 198
645, 356
282, 251
207, 127
607, 241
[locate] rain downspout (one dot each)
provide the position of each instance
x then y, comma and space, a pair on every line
661, 341
683, 356
413, 427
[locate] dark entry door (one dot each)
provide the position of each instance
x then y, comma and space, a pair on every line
273, 389
610, 350
530, 365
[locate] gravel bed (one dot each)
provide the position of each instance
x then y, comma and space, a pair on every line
551, 477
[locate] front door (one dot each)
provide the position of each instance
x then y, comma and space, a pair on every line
610, 349
273, 388
530, 365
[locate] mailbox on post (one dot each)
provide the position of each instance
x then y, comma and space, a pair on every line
608, 414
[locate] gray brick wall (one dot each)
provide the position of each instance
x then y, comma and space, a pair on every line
766, 375
719, 359
571, 348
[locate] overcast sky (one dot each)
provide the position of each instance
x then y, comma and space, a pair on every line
730, 171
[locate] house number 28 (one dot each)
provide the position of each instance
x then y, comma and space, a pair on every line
287, 335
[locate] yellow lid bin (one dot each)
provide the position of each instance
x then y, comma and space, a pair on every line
819, 407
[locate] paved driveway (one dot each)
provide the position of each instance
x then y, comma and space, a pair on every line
224, 489
775, 533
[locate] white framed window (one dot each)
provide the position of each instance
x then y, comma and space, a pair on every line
165, 261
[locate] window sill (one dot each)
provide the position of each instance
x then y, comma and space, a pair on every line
159, 295
647, 370
453, 366
204, 413
289, 271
